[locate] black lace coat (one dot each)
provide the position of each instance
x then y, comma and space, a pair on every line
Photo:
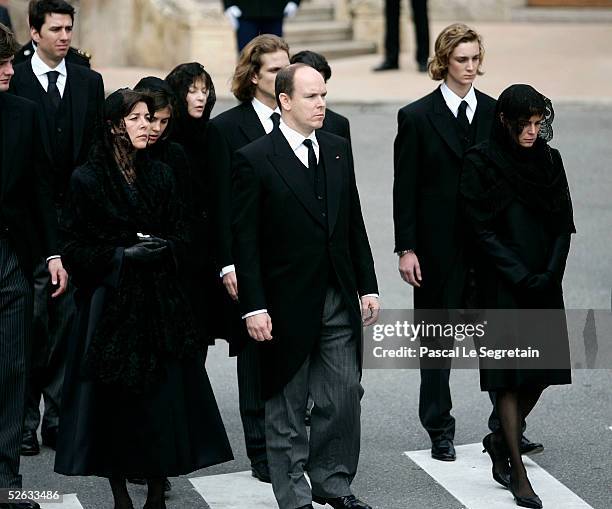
146, 317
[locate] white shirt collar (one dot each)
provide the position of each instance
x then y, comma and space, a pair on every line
263, 111
453, 100
296, 139
40, 68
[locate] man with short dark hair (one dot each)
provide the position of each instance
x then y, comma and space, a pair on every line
36, 18
70, 98
303, 258
26, 215
256, 115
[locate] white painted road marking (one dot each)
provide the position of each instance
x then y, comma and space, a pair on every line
469, 480
69, 502
236, 491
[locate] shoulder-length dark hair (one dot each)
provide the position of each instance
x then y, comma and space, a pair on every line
184, 76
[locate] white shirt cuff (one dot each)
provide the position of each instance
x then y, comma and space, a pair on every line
370, 295
226, 270
253, 313
52, 258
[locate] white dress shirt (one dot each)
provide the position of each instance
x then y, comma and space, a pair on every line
453, 101
296, 142
41, 69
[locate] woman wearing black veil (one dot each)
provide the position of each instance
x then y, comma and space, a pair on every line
195, 99
517, 202
137, 401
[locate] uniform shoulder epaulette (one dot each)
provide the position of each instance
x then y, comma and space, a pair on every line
82, 53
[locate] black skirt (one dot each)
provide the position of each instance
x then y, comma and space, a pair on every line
172, 429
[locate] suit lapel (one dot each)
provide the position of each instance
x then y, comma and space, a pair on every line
10, 139
444, 123
334, 167
250, 125
295, 174
78, 95
485, 110
30, 88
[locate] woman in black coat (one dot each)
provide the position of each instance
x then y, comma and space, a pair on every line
137, 401
516, 199
194, 92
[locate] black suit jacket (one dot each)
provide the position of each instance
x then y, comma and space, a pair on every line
337, 124
87, 93
260, 8
287, 252
5, 17
26, 210
74, 55
428, 155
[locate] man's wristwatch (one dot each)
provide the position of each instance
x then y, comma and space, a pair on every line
405, 251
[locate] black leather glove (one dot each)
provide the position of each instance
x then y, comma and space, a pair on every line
537, 282
146, 251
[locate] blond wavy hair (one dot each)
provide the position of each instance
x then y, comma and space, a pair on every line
249, 64
446, 42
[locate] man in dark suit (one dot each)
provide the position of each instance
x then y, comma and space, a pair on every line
334, 122
256, 115
70, 98
25, 53
5, 17
27, 224
433, 134
251, 18
303, 258
392, 34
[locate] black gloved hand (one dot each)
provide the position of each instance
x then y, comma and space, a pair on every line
537, 282
146, 251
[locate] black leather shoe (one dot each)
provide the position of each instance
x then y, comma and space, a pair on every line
29, 444
528, 447
348, 502
261, 471
137, 480
167, 485
49, 438
26, 504
533, 502
386, 66
443, 450
309, 506
497, 455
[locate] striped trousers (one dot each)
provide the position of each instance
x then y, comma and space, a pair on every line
16, 296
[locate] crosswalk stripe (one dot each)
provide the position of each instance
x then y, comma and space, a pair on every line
469, 480
69, 502
236, 491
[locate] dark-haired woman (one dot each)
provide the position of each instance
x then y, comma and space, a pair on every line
195, 98
137, 400
517, 201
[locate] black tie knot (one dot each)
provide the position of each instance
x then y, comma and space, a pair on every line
275, 117
462, 116
53, 75
308, 143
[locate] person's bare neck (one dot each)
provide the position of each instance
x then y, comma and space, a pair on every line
459, 90
270, 102
293, 125
51, 62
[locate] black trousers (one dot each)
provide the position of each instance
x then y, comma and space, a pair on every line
15, 326
53, 319
252, 407
392, 30
249, 28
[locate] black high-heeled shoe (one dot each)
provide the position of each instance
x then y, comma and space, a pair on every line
532, 501
502, 478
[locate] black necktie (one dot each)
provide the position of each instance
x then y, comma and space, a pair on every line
312, 158
275, 117
462, 116
52, 90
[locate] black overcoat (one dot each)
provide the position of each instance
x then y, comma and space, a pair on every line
286, 252
260, 8
428, 154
